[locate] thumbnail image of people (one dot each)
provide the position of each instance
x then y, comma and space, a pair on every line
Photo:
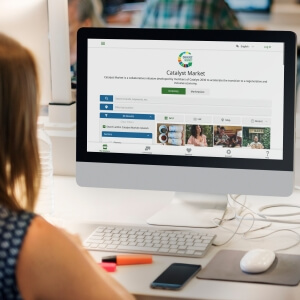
256, 144
229, 136
235, 140
256, 138
199, 135
220, 137
170, 134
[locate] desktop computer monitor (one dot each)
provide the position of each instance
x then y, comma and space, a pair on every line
206, 113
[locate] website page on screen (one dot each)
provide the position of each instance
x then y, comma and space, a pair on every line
185, 98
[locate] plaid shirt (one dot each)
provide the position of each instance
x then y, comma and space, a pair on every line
195, 14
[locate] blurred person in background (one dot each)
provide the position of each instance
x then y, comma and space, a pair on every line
111, 7
82, 13
189, 14
119, 12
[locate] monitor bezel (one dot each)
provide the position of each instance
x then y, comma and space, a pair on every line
286, 37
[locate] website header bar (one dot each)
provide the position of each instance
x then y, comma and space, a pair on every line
189, 45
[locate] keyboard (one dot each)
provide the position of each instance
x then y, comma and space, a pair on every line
149, 240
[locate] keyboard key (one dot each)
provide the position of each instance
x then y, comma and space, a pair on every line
173, 251
111, 246
136, 248
163, 250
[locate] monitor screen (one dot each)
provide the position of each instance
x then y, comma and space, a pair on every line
250, 5
186, 110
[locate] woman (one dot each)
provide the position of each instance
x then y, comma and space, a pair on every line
37, 260
197, 138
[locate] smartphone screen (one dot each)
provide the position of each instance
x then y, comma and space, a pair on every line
175, 276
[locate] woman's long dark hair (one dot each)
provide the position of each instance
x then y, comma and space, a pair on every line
19, 106
194, 130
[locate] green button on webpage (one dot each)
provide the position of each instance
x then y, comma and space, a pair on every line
173, 91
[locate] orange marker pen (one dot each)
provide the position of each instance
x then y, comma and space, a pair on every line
128, 259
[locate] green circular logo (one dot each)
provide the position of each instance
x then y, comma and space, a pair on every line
185, 59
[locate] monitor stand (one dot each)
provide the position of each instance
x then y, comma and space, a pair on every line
191, 210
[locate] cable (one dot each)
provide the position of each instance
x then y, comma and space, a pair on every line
276, 231
250, 230
275, 220
258, 237
264, 217
262, 208
235, 197
232, 236
236, 231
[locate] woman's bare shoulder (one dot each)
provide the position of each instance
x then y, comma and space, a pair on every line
41, 235
39, 250
58, 265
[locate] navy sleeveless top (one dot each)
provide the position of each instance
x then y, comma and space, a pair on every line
13, 228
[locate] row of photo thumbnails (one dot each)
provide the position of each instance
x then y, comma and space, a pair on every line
213, 135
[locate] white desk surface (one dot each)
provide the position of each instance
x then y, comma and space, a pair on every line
79, 210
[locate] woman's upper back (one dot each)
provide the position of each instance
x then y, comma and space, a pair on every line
13, 228
40, 261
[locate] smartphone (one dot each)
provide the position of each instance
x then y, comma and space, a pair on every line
175, 276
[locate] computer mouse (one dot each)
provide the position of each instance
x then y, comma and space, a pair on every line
257, 261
